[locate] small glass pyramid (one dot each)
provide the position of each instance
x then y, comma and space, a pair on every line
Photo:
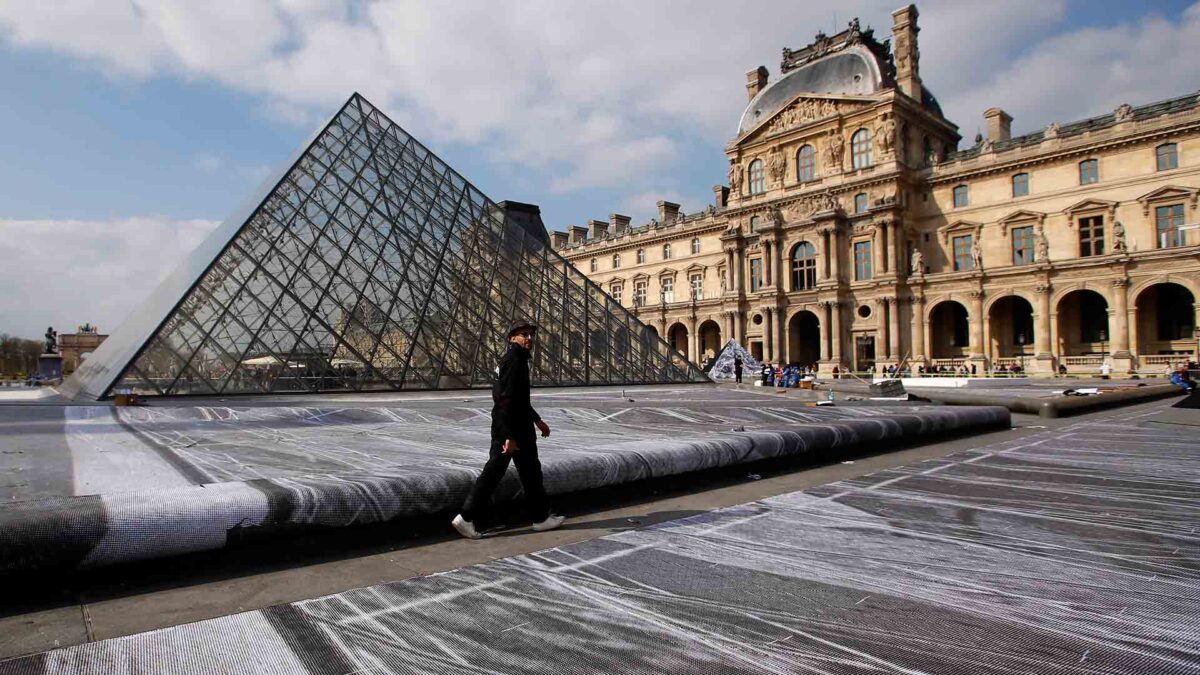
372, 265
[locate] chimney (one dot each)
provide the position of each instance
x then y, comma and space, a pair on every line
558, 239
720, 196
756, 81
667, 211
618, 223
999, 125
599, 228
905, 52
578, 234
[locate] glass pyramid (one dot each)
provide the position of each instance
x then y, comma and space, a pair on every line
370, 265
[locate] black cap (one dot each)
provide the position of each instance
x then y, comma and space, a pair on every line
520, 324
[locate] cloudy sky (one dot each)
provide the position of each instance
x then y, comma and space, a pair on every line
129, 128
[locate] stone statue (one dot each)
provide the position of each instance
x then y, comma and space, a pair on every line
1051, 130
976, 253
885, 136
51, 340
1119, 245
1124, 113
918, 262
776, 164
835, 150
735, 179
1043, 246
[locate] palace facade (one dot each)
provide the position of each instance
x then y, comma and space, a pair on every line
854, 231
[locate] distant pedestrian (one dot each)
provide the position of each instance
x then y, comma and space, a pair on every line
513, 438
1105, 370
766, 374
737, 368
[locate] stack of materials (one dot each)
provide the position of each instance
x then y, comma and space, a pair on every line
722, 366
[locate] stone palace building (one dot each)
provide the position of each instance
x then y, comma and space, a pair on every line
855, 231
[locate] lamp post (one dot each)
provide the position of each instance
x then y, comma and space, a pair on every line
1021, 351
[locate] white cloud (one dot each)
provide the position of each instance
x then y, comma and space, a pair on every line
1088, 72
63, 273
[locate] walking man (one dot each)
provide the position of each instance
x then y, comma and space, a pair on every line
737, 368
513, 438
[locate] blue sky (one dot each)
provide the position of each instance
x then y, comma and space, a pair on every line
129, 129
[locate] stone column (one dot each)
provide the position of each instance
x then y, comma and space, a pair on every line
918, 329
1043, 358
826, 254
767, 259
693, 342
730, 276
893, 247
879, 254
975, 351
835, 328
738, 334
741, 271
781, 335
768, 346
1122, 360
893, 310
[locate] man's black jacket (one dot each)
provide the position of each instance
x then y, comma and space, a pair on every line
512, 414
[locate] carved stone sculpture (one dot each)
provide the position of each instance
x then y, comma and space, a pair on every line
835, 150
735, 179
918, 262
1124, 113
1119, 245
776, 165
976, 253
1043, 246
885, 136
1051, 130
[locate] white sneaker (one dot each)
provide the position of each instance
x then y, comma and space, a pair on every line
465, 527
552, 522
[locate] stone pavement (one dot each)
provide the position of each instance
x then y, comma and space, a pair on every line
1072, 550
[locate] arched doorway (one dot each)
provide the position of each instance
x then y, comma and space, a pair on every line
1083, 324
677, 336
1166, 319
1011, 327
804, 339
949, 330
710, 341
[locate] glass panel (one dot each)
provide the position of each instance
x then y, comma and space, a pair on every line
373, 265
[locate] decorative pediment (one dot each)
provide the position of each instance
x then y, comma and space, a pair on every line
809, 206
803, 110
1091, 205
1168, 193
667, 272
1021, 216
641, 276
696, 267
959, 227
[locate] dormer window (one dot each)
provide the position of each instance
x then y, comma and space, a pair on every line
758, 178
806, 164
860, 149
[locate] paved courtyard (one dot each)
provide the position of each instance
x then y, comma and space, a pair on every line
1068, 550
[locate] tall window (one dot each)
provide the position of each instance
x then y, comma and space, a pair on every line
806, 164
1167, 156
758, 178
617, 261
1167, 221
753, 223
695, 246
697, 282
804, 266
639, 293
1022, 245
1089, 172
641, 255
1091, 236
927, 151
1020, 184
962, 253
860, 202
860, 149
595, 265
666, 251
961, 197
862, 260
668, 289
755, 274
616, 293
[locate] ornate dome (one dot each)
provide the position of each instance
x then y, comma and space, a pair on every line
854, 70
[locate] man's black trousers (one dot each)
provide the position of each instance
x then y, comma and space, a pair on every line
529, 469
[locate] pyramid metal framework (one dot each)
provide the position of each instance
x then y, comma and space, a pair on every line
370, 264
